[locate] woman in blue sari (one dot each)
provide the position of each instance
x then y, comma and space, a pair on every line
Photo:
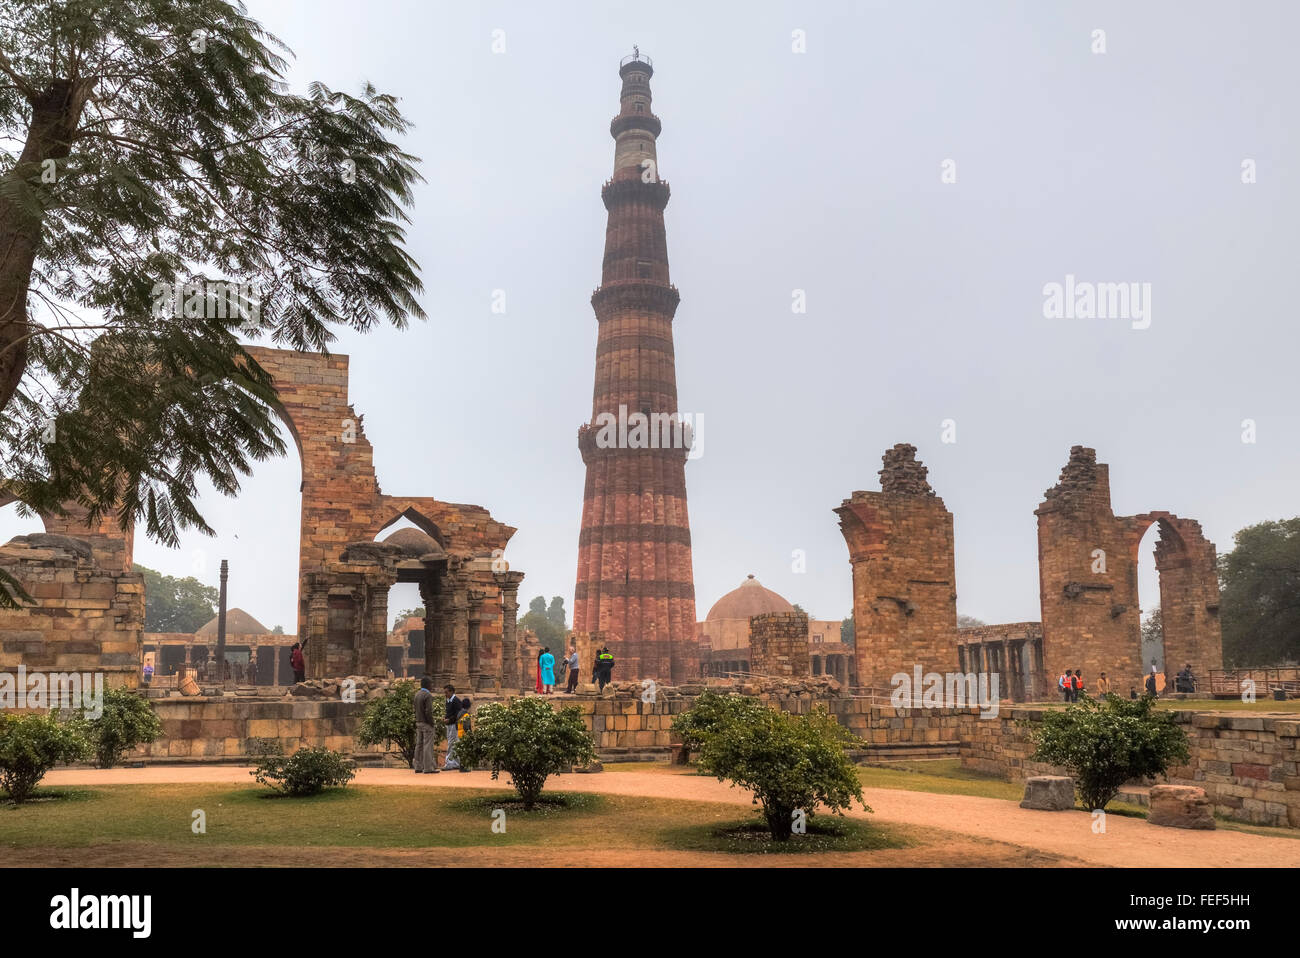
547, 664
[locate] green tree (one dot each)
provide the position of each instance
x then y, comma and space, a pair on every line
390, 720
1152, 640
555, 612
31, 745
709, 713
968, 622
150, 150
1109, 741
848, 632
791, 763
176, 605
528, 739
128, 720
1259, 603
539, 620
278, 630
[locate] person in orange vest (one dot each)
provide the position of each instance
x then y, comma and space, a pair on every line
1077, 686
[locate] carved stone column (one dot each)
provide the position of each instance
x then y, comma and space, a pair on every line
509, 583
474, 641
376, 661
458, 632
318, 615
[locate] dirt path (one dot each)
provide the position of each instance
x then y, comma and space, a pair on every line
1126, 841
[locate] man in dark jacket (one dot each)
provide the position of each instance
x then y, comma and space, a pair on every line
426, 729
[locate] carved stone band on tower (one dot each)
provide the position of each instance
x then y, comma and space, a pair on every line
635, 583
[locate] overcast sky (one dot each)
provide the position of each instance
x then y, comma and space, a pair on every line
821, 171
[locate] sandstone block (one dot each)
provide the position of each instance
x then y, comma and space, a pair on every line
1049, 793
1180, 806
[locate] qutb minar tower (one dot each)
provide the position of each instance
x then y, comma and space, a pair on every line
635, 583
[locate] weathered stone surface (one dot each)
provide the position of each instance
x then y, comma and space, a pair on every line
778, 645
904, 596
1180, 806
1088, 559
635, 581
1049, 793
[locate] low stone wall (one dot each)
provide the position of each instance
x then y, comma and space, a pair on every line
1246, 763
223, 728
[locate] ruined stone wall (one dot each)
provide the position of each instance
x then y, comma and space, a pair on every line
1247, 764
87, 618
778, 644
1088, 559
904, 573
342, 503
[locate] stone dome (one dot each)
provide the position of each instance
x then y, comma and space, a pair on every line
238, 622
750, 599
415, 543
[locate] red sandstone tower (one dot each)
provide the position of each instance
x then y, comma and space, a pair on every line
635, 583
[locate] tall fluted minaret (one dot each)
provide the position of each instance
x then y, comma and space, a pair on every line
635, 583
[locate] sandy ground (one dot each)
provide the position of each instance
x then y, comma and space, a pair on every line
1020, 836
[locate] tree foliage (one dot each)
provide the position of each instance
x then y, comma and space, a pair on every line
150, 151
528, 739
848, 631
1259, 603
309, 771
31, 745
390, 720
1109, 741
548, 623
791, 763
176, 605
710, 712
128, 720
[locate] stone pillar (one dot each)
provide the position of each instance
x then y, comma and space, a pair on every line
318, 614
376, 662
474, 642
509, 582
458, 646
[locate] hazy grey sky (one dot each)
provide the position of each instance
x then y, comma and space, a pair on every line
821, 171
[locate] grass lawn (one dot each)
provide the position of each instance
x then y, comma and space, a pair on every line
358, 818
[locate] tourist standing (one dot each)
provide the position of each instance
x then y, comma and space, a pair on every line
547, 662
450, 717
539, 670
426, 729
297, 663
1063, 683
605, 667
573, 669
1103, 686
1151, 682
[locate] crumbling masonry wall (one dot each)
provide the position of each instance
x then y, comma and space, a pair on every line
1088, 559
778, 644
901, 549
87, 618
343, 504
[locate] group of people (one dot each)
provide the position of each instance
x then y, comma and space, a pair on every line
1071, 685
602, 669
456, 719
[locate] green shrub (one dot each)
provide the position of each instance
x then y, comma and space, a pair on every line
790, 762
390, 720
31, 745
528, 739
1107, 742
708, 714
128, 720
308, 771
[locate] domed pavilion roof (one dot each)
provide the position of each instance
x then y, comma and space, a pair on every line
238, 622
750, 599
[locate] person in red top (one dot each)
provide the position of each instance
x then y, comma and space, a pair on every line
297, 664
